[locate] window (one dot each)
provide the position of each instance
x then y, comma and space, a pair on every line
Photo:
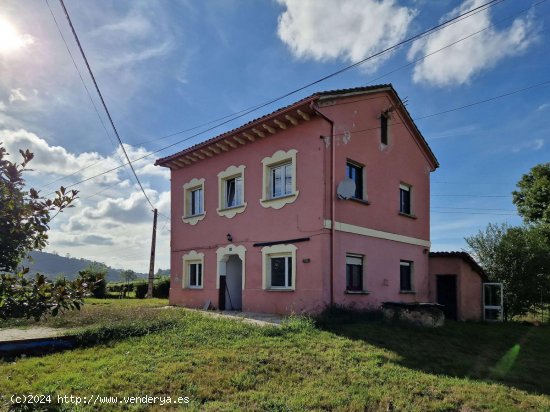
231, 191
384, 129
193, 201
279, 179
195, 275
405, 199
354, 273
355, 173
281, 272
196, 202
405, 279
279, 267
193, 270
234, 192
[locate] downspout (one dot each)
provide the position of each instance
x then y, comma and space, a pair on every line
332, 200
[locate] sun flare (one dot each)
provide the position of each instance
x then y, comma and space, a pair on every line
11, 39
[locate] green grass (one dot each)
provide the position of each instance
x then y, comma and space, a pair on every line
339, 363
96, 312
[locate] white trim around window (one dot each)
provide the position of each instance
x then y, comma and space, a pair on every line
279, 179
193, 270
193, 201
231, 191
282, 259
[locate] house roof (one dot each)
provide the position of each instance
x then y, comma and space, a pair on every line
465, 257
220, 143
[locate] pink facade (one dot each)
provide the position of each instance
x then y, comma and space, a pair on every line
289, 244
468, 277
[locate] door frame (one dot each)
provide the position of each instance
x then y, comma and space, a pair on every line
456, 305
222, 255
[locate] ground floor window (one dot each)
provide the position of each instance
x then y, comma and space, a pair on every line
279, 267
354, 273
195, 275
406, 272
193, 270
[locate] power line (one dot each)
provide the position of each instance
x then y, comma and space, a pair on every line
244, 112
103, 101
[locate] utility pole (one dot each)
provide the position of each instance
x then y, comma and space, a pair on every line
152, 260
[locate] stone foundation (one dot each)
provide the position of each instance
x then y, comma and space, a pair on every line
420, 314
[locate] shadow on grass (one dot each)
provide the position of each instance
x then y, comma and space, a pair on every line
514, 354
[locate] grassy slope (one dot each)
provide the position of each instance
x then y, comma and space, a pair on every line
339, 365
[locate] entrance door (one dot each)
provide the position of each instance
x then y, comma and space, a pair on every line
233, 283
446, 295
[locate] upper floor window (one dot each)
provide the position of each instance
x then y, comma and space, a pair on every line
196, 200
405, 199
231, 191
193, 201
406, 276
279, 179
234, 192
354, 273
280, 183
355, 173
384, 129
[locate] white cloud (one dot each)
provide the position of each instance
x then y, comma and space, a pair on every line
347, 29
535, 144
458, 64
3, 106
543, 106
16, 95
111, 213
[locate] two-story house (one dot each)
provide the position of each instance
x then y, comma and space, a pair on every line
325, 201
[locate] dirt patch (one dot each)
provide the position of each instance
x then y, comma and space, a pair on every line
9, 335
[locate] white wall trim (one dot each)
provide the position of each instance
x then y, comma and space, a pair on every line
365, 231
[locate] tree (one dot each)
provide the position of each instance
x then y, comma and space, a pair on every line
24, 215
128, 276
519, 257
24, 222
95, 275
532, 198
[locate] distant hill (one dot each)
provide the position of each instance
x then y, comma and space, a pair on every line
52, 265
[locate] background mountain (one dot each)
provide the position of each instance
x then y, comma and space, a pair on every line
52, 265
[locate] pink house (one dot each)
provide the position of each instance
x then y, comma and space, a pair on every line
325, 201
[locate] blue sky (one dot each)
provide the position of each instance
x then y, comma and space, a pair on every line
167, 66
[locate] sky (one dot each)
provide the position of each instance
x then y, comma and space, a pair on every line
168, 66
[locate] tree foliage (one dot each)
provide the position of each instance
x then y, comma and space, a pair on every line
95, 275
519, 257
24, 221
24, 214
532, 198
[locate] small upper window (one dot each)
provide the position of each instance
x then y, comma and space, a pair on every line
281, 180
405, 199
405, 278
355, 173
384, 129
234, 192
197, 203
354, 273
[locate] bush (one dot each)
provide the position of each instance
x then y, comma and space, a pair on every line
141, 290
161, 288
94, 275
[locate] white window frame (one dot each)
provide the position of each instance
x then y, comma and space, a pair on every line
363, 177
197, 285
192, 258
408, 188
278, 251
188, 188
278, 159
232, 172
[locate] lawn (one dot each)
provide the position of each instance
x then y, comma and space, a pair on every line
339, 362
